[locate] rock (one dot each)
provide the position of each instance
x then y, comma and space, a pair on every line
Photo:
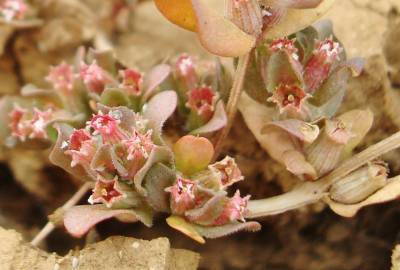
116, 252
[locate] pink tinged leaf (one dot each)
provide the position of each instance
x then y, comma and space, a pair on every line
299, 3
158, 110
228, 229
180, 224
192, 154
217, 121
297, 19
356, 65
154, 78
296, 163
219, 35
388, 193
302, 130
233, 210
80, 219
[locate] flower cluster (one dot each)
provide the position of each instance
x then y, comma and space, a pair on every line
111, 154
26, 124
199, 196
306, 77
200, 101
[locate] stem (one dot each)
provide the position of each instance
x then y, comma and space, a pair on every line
49, 227
234, 96
311, 192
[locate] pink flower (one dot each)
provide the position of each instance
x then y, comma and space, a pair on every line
202, 100
94, 77
106, 191
284, 44
132, 81
228, 170
13, 9
319, 66
139, 146
61, 77
24, 124
182, 195
107, 125
81, 148
289, 97
185, 71
234, 210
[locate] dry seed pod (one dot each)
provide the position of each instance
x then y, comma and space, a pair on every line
360, 184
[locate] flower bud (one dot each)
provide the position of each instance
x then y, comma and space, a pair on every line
246, 14
360, 184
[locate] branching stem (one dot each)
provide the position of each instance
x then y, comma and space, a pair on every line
234, 96
49, 227
311, 192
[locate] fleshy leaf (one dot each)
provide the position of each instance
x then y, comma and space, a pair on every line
158, 178
219, 35
254, 83
209, 212
158, 110
186, 228
283, 69
160, 154
360, 122
280, 145
297, 19
218, 120
192, 154
80, 219
154, 78
179, 12
219, 231
302, 130
390, 192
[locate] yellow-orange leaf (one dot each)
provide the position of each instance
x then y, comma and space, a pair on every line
184, 227
179, 12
